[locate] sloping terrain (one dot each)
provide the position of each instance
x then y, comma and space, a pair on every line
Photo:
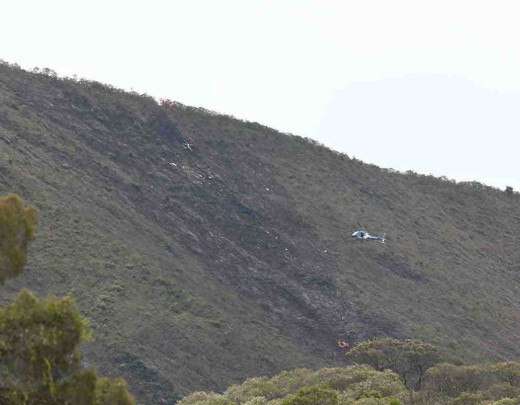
205, 250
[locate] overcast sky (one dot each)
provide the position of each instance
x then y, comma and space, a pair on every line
432, 86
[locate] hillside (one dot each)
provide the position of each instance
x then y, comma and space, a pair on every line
206, 250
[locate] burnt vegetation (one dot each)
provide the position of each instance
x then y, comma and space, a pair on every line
204, 249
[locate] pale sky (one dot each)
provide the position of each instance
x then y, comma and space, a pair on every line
431, 86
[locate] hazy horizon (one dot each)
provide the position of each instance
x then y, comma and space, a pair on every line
438, 125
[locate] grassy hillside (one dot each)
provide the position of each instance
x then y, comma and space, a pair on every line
205, 264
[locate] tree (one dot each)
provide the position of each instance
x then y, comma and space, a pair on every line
496, 381
408, 358
40, 338
313, 396
112, 392
17, 228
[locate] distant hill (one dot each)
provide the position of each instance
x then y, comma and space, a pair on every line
206, 250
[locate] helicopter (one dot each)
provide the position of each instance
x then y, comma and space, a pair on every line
364, 235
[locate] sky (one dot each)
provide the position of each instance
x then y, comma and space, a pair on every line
429, 86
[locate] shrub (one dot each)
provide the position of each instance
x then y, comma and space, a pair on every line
313, 396
17, 229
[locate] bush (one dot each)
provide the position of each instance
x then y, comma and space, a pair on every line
17, 229
313, 396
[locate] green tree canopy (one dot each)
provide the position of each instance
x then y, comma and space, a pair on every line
40, 338
313, 396
40, 359
17, 229
408, 358
356, 385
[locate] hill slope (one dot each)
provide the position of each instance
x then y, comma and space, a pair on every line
205, 264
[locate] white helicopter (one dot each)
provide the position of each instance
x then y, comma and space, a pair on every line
364, 235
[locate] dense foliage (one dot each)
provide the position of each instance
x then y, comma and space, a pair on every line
442, 383
40, 338
329, 386
408, 358
473, 384
17, 226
